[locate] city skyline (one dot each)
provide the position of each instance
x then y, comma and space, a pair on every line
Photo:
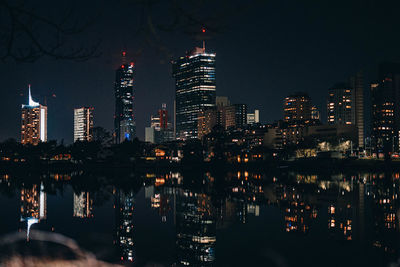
280, 58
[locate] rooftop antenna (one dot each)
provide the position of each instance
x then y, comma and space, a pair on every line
203, 30
124, 57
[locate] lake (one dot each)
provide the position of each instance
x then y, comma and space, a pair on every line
280, 218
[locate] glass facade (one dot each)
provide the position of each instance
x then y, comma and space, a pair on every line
124, 119
195, 90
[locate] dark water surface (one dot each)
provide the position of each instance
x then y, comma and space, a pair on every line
205, 219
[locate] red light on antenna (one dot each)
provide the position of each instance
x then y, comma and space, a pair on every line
123, 53
122, 66
203, 30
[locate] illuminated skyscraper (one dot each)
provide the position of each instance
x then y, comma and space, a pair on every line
195, 90
124, 119
34, 122
83, 124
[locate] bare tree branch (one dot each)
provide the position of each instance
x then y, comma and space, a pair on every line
31, 35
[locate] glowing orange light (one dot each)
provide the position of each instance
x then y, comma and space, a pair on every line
122, 66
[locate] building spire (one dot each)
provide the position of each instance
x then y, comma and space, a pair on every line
30, 100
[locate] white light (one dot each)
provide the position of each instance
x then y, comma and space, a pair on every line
42, 125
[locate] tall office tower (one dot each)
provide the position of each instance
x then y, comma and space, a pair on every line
253, 118
297, 109
236, 116
83, 124
195, 85
357, 85
83, 205
34, 122
340, 109
124, 118
385, 98
160, 129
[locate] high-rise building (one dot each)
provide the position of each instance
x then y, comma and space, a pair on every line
340, 109
385, 98
195, 85
297, 109
124, 118
83, 124
346, 105
34, 122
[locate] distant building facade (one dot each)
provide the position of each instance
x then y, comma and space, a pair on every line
236, 116
385, 98
297, 109
83, 124
34, 122
346, 105
195, 84
124, 118
340, 109
160, 129
253, 118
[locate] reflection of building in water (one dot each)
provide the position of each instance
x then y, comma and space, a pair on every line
33, 203
33, 206
340, 220
124, 205
195, 229
384, 214
83, 205
299, 214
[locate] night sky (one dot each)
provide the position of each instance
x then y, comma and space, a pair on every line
265, 51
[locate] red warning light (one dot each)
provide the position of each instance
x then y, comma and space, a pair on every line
123, 53
122, 66
203, 30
